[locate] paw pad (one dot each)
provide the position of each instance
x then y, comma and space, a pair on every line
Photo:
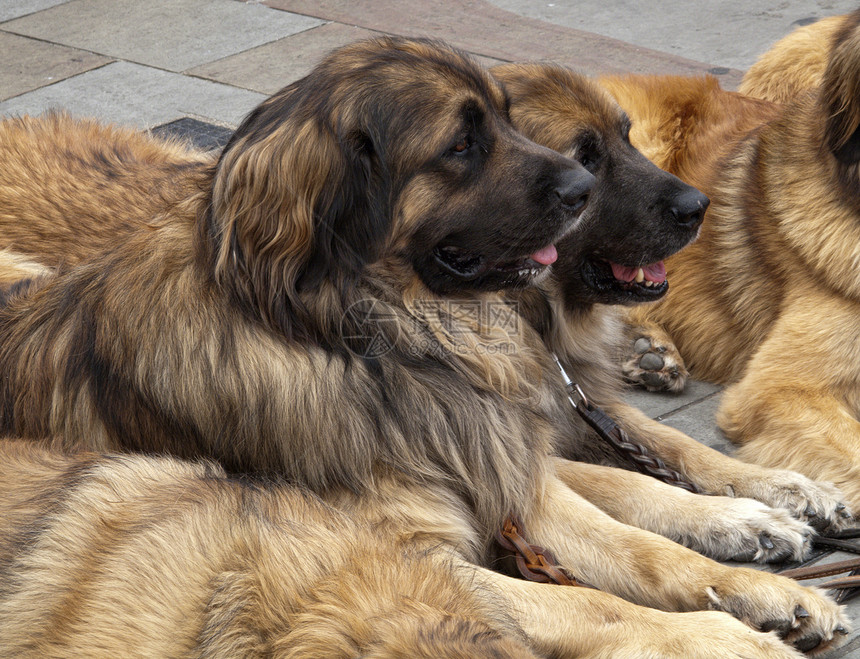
651, 362
654, 365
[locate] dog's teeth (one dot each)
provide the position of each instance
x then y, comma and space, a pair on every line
640, 276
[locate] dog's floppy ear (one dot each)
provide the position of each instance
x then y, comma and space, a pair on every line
296, 200
840, 93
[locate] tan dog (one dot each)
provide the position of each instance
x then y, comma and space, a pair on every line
132, 556
768, 299
306, 306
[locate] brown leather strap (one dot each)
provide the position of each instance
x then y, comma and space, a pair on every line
634, 452
534, 563
848, 587
618, 439
836, 543
818, 571
850, 581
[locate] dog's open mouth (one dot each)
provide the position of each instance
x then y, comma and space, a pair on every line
471, 265
643, 282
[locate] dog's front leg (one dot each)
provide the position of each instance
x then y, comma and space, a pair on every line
820, 503
648, 569
565, 621
796, 425
722, 528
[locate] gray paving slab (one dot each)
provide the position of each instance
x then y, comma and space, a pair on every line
482, 28
697, 421
270, 67
27, 64
201, 134
128, 93
10, 9
658, 404
274, 65
729, 33
168, 34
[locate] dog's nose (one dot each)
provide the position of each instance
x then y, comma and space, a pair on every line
573, 187
688, 208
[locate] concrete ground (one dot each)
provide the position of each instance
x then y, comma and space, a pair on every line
195, 67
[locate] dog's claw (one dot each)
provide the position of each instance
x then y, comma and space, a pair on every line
811, 512
800, 612
765, 541
807, 643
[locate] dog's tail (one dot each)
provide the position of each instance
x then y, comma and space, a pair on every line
840, 93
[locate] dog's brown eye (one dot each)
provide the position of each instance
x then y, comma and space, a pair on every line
463, 145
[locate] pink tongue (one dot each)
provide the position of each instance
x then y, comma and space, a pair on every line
545, 256
622, 272
655, 272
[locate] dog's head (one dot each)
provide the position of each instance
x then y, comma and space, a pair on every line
389, 148
638, 214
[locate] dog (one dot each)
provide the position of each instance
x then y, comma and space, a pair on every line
630, 236
198, 563
778, 257
308, 309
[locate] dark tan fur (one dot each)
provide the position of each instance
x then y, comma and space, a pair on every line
220, 333
767, 300
136, 556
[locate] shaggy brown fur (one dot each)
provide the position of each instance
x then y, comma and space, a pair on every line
768, 299
245, 324
128, 556
132, 556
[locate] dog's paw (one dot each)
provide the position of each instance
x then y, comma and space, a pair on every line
655, 364
803, 617
745, 530
820, 504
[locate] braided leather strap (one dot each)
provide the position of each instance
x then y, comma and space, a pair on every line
534, 563
618, 439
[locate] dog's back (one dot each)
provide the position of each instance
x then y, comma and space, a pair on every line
133, 556
769, 293
70, 187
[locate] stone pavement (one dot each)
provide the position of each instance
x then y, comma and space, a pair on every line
195, 67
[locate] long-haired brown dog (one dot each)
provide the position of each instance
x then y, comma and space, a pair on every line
133, 556
322, 302
768, 299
